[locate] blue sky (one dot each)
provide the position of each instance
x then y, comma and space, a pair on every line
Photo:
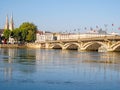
63, 15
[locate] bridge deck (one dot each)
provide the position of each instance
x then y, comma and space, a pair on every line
105, 38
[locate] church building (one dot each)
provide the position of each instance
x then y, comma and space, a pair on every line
9, 26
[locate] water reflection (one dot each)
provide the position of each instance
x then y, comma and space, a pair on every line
58, 67
8, 73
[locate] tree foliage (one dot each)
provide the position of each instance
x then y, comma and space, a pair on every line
16, 34
6, 34
28, 31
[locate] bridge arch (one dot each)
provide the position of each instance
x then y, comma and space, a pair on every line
94, 46
116, 46
72, 46
57, 46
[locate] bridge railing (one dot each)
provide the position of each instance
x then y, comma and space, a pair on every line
82, 37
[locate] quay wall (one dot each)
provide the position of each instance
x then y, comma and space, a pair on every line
12, 46
8, 45
33, 45
28, 45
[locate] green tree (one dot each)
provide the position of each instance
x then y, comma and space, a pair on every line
28, 31
6, 34
16, 34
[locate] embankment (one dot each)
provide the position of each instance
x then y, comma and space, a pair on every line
28, 45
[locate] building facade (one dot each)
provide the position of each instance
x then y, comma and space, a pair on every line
44, 36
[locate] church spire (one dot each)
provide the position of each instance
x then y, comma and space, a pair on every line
6, 23
11, 27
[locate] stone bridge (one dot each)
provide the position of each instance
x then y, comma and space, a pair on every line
85, 44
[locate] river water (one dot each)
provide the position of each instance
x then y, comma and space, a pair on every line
41, 69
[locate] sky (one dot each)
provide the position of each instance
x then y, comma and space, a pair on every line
63, 15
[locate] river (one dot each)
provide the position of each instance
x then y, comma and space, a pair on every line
43, 69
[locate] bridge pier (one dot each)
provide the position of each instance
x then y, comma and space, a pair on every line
63, 48
110, 50
82, 50
47, 45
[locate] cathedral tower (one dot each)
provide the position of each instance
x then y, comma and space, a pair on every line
11, 25
6, 23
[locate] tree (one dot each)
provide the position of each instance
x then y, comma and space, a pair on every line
28, 32
16, 34
30, 36
6, 34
